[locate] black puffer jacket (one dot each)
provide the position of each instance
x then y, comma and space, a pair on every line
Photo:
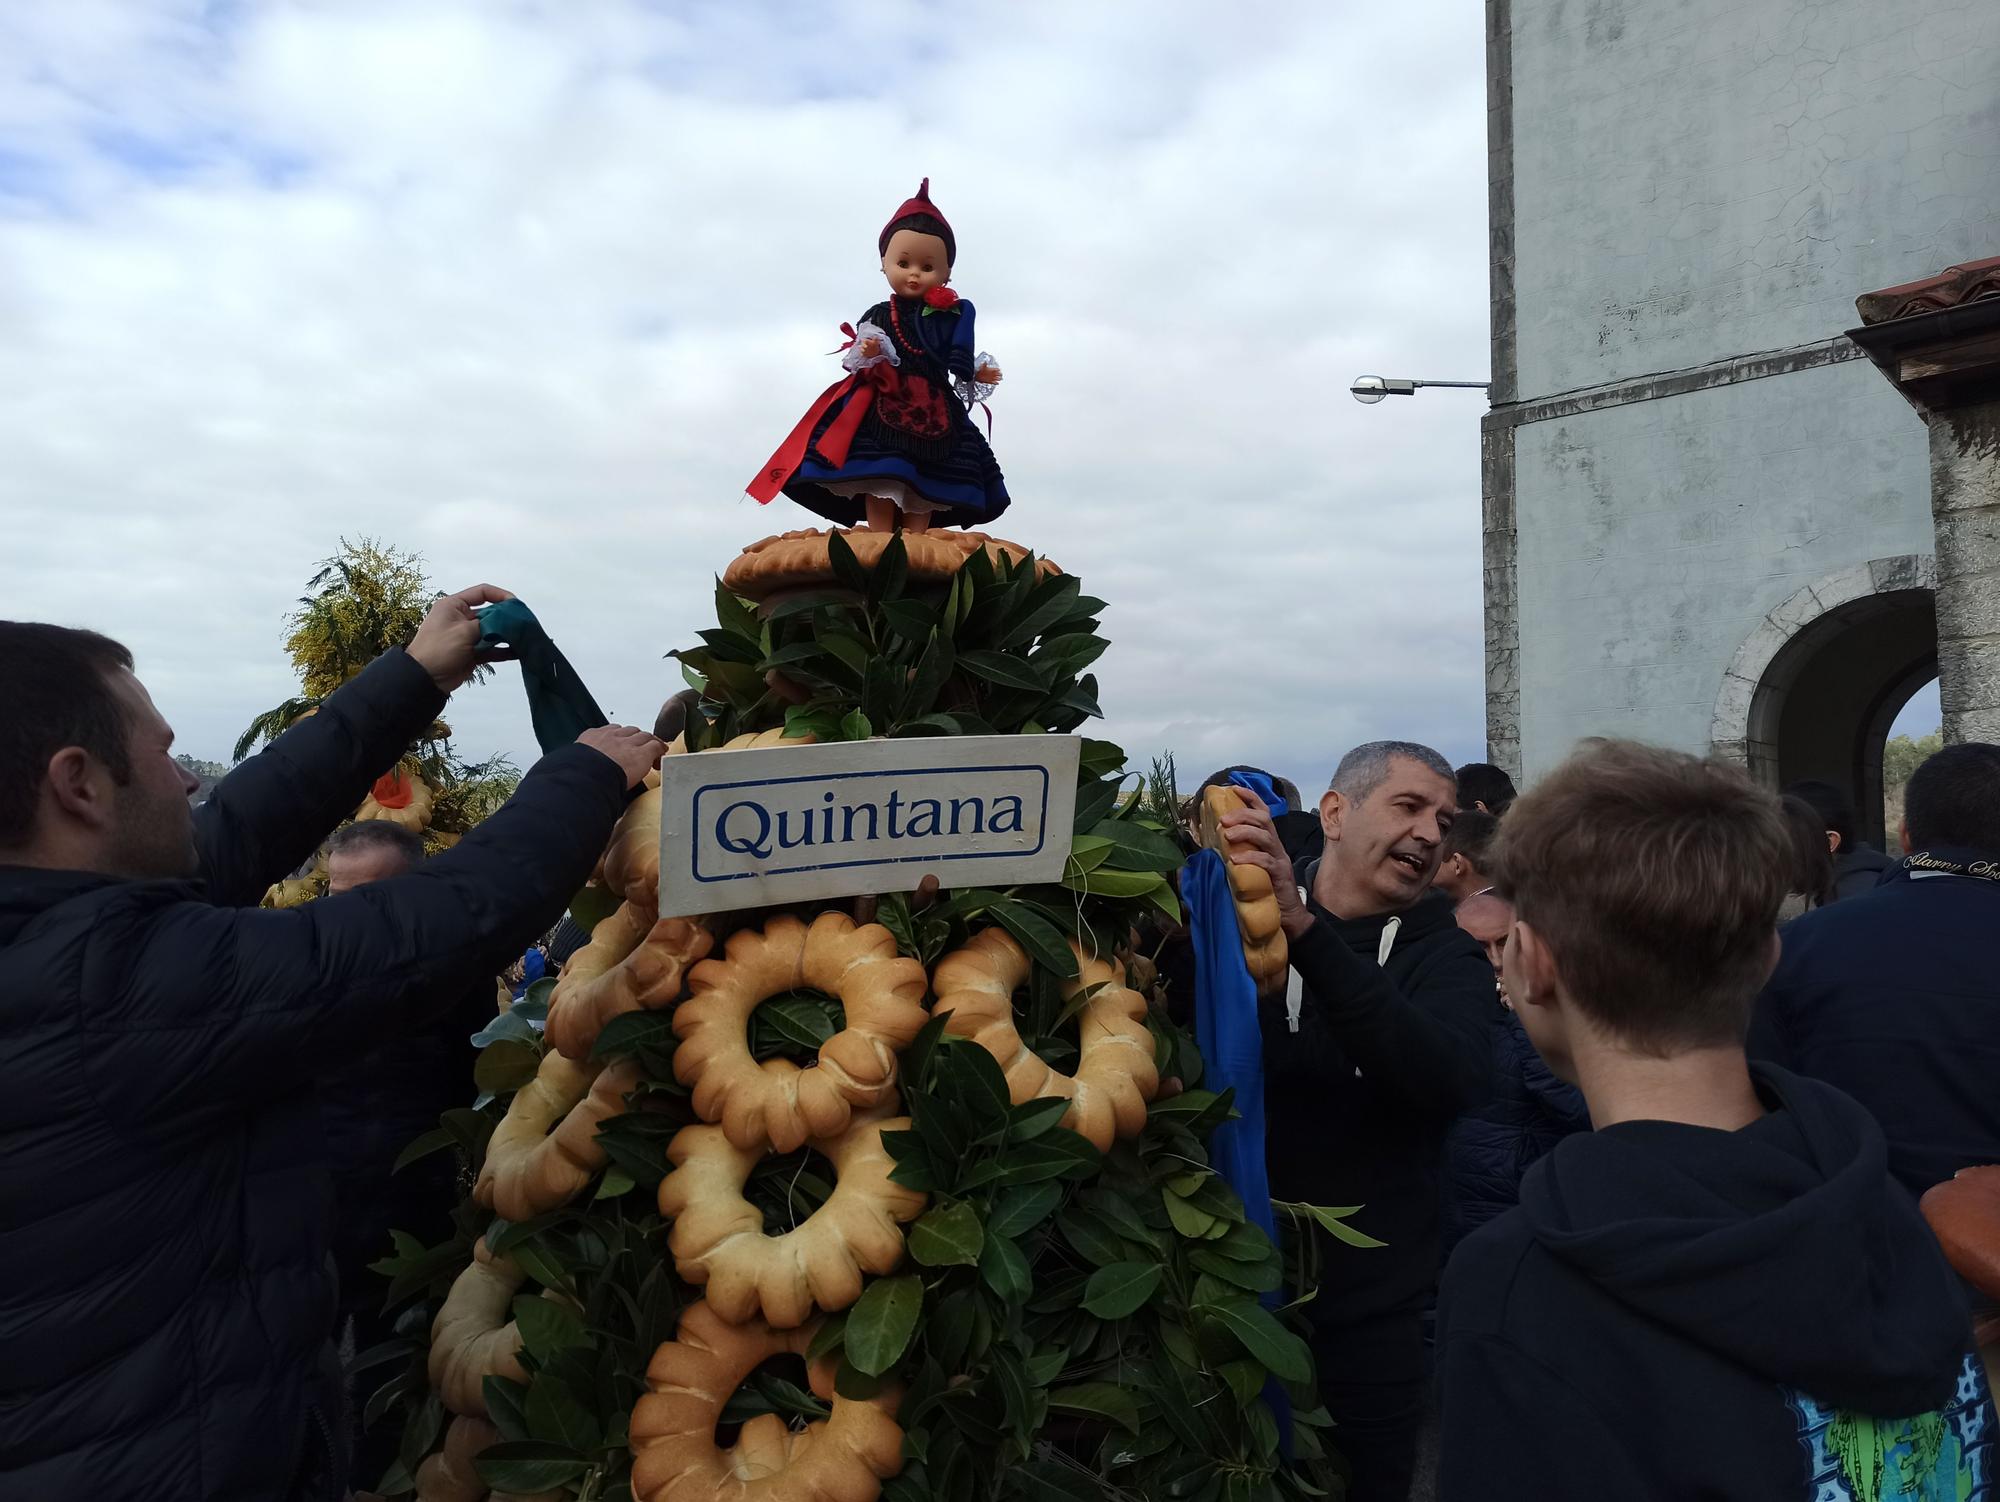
1490, 1149
165, 1296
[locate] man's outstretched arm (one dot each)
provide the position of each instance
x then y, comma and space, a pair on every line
269, 814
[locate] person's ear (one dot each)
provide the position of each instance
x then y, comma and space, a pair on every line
1332, 809
80, 787
1903, 834
1532, 977
1833, 842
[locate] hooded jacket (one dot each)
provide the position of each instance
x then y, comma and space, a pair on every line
1894, 997
1677, 1312
165, 1292
1860, 870
1491, 1148
1391, 1046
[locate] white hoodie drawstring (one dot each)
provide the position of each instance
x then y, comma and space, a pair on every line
1295, 988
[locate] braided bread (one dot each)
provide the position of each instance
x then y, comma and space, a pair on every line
632, 859
472, 1338
1115, 1073
776, 1102
719, 1239
631, 961
842, 1458
1264, 949
529, 1169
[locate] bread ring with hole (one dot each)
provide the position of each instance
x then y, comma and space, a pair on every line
530, 1170
472, 1337
632, 961
775, 1101
449, 1475
1256, 903
718, 1237
844, 1457
799, 560
1115, 1073
632, 859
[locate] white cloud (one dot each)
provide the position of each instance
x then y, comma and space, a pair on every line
534, 288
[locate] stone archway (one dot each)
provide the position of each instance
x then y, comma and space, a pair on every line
1812, 691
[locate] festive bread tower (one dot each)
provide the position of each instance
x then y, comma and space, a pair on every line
869, 1192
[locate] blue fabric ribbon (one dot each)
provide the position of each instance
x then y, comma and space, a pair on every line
1232, 1045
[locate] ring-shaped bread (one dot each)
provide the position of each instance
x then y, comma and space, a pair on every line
842, 1458
473, 1337
632, 859
630, 865
448, 1475
796, 560
633, 960
1256, 902
529, 1169
1115, 1074
451, 1474
718, 1237
776, 1102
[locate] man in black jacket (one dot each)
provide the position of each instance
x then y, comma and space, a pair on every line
165, 1296
1893, 995
1857, 865
1719, 1292
1364, 1071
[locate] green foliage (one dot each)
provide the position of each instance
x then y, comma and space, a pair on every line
1000, 649
364, 600
1068, 1322
1903, 755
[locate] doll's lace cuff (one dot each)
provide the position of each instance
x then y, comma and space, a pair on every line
854, 360
970, 390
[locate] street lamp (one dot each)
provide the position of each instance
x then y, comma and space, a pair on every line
1372, 388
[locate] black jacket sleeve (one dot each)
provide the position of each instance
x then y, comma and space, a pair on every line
1430, 1046
269, 814
1516, 1432
209, 1007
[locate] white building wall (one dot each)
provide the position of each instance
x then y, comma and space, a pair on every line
1694, 181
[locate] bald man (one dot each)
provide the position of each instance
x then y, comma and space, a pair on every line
1487, 917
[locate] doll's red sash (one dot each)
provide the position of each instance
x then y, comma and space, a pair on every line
833, 446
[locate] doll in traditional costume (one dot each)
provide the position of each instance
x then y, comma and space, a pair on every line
894, 443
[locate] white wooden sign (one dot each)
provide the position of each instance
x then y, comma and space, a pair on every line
743, 829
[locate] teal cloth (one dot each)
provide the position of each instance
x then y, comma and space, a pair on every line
558, 703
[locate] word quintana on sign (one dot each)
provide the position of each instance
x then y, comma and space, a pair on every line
748, 826
752, 828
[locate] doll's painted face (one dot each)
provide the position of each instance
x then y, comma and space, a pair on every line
914, 263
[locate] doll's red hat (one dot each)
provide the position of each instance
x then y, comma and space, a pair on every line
920, 204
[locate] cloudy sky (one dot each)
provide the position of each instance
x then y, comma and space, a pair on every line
534, 288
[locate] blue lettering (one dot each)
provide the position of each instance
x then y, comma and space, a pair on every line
847, 820
895, 808
745, 843
928, 813
978, 814
1007, 808
785, 840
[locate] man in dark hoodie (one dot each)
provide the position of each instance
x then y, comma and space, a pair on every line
1720, 1292
1383, 1043
1894, 996
1857, 865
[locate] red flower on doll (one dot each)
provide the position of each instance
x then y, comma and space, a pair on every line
941, 298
